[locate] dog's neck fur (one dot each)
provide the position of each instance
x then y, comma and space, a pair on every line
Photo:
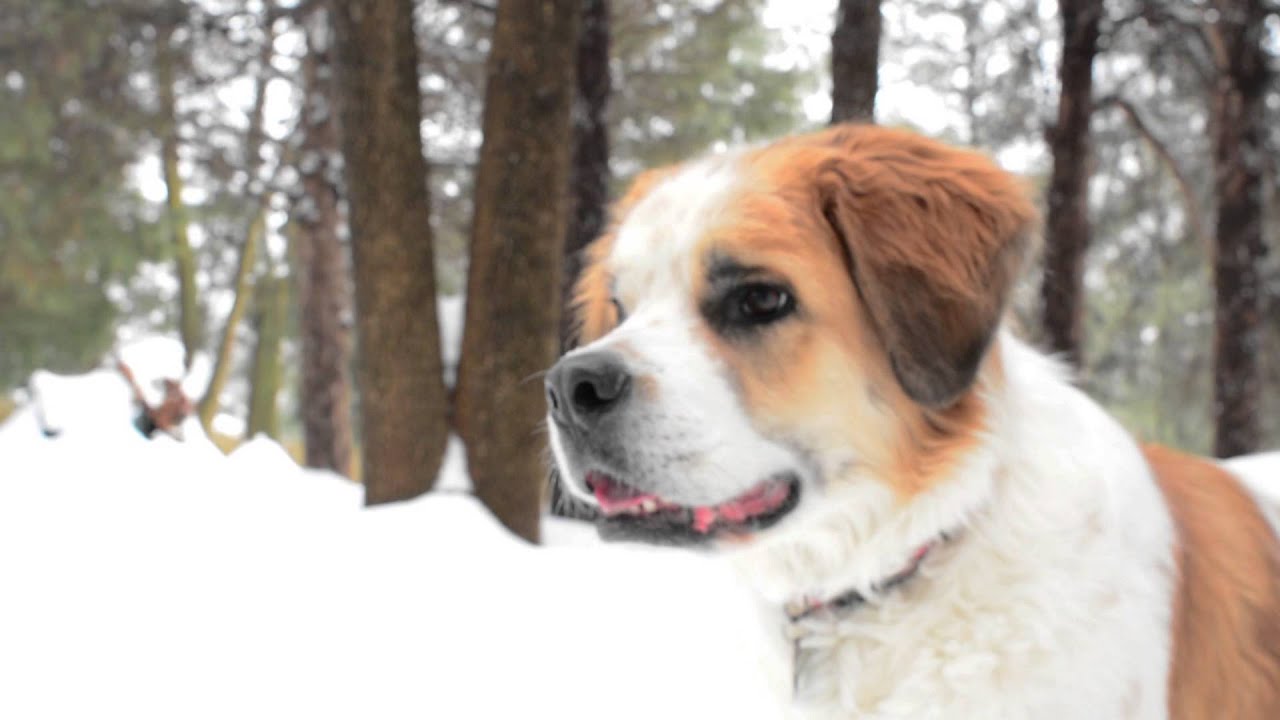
1002, 622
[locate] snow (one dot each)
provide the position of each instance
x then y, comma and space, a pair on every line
58, 407
229, 425
103, 399
161, 579
1260, 471
154, 358
450, 310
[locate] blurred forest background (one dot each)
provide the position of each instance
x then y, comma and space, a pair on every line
303, 193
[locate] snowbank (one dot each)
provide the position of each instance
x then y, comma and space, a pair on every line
158, 579
1260, 471
99, 400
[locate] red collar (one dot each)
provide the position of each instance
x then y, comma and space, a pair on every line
808, 606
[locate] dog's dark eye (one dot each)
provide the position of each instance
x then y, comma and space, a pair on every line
759, 304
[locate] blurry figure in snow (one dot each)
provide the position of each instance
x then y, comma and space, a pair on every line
167, 416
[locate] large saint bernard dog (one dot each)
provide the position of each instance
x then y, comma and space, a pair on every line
796, 353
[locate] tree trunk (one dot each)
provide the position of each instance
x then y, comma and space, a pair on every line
402, 397
970, 15
855, 61
222, 363
589, 169
190, 323
517, 244
270, 312
1067, 224
588, 180
1239, 153
323, 294
254, 236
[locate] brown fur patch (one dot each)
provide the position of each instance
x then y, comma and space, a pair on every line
1226, 615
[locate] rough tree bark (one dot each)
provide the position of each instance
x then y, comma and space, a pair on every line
323, 293
1236, 38
517, 244
855, 61
190, 322
1067, 224
402, 397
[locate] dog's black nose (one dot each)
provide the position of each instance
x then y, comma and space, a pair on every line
581, 389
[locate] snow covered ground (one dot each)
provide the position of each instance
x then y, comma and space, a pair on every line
159, 579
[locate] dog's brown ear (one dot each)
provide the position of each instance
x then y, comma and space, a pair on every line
935, 238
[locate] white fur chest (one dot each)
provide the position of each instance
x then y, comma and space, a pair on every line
1054, 601
998, 643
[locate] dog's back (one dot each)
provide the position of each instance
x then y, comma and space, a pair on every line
1226, 624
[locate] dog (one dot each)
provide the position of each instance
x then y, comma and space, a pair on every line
798, 354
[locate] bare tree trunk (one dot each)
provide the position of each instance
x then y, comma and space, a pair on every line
270, 310
588, 178
1067, 225
210, 402
322, 268
190, 322
589, 171
254, 236
855, 61
402, 396
970, 15
517, 245
1239, 153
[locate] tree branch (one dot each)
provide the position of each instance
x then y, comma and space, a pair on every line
474, 5
1195, 215
296, 13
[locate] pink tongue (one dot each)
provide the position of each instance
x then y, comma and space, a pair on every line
764, 498
704, 518
615, 497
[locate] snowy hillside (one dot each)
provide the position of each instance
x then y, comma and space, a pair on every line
158, 579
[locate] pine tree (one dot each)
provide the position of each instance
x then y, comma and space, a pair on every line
513, 285
855, 60
402, 398
190, 312
1067, 226
269, 318
323, 293
72, 225
1236, 33
589, 171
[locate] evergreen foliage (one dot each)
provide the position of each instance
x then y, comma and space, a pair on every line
73, 228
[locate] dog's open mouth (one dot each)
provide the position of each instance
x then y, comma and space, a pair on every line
632, 514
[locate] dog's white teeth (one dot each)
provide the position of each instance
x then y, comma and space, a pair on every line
649, 505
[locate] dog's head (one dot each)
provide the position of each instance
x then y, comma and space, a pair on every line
766, 332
